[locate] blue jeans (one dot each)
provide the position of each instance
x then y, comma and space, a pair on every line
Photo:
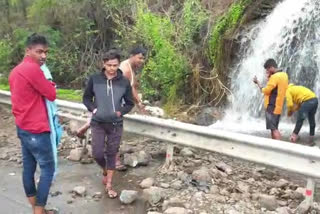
37, 148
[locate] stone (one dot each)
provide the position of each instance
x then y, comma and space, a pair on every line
224, 167
243, 187
155, 111
75, 154
176, 210
172, 202
177, 185
130, 160
164, 185
268, 201
4, 156
153, 212
283, 210
143, 158
74, 126
153, 195
214, 189
201, 175
126, 149
128, 196
97, 195
282, 183
147, 183
80, 190
183, 177
186, 152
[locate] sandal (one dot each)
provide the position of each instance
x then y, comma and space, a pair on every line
111, 193
121, 167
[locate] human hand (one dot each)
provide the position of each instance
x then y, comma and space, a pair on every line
118, 113
255, 80
94, 111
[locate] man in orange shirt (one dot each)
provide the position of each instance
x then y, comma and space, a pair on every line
274, 95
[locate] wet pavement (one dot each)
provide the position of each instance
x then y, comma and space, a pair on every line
72, 174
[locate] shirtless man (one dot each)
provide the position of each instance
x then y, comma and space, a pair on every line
130, 67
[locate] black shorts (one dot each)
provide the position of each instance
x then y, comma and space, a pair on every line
272, 120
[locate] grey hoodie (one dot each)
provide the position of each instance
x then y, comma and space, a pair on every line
107, 96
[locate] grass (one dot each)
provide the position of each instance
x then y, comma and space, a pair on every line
63, 94
70, 94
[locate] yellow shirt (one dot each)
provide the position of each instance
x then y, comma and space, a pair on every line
275, 91
296, 95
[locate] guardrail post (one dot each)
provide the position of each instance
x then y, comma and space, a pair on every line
169, 156
310, 191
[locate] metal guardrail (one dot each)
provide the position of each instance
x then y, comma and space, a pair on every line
283, 155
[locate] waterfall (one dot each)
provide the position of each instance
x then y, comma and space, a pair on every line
290, 35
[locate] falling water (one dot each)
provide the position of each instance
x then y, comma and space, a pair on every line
290, 35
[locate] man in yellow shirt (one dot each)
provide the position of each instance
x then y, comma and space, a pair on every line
274, 94
304, 101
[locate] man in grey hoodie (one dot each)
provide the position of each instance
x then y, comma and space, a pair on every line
104, 96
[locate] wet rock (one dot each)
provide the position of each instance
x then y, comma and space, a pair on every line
147, 183
153, 195
128, 196
75, 154
186, 152
201, 175
80, 190
269, 202
208, 116
282, 183
176, 210
224, 167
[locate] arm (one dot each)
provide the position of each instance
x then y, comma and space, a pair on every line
38, 81
128, 98
290, 105
272, 83
127, 74
88, 96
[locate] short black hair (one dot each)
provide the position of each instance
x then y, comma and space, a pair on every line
110, 55
138, 50
270, 63
36, 39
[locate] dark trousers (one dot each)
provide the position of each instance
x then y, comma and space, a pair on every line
308, 110
105, 153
